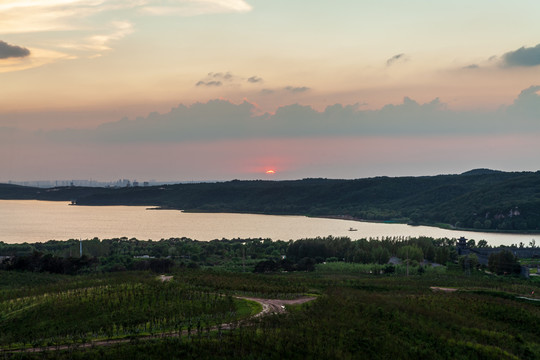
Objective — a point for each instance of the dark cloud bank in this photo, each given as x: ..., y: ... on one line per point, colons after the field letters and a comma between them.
x: 12, y: 51
x: 522, y: 57
x: 222, y: 120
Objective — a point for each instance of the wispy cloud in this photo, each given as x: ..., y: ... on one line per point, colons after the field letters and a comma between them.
x: 12, y: 51
x: 60, y: 15
x: 394, y: 59
x: 195, y: 7
x: 38, y: 58
x: 524, y: 56
x: 53, y: 15
x: 297, y: 89
x: 78, y: 25
x: 101, y: 42
x: 471, y: 67
x: 254, y: 79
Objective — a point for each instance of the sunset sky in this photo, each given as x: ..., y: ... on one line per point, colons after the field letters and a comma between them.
x: 230, y: 89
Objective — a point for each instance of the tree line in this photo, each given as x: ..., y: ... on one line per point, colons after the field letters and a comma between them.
x: 241, y: 255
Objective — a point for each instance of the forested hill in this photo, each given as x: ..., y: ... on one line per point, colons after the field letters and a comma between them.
x: 479, y: 199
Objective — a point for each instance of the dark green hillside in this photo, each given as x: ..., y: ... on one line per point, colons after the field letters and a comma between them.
x: 479, y: 199
x: 17, y: 192
x: 10, y: 191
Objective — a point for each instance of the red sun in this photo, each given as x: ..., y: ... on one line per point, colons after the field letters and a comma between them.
x: 270, y: 171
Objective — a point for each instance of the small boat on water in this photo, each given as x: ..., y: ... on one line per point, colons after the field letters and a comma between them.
x: 352, y: 229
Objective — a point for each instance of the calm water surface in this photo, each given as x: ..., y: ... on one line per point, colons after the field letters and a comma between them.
x: 38, y: 221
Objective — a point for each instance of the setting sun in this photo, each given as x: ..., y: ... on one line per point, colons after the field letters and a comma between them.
x: 270, y: 171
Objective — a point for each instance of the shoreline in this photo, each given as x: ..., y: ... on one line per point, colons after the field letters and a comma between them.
x: 449, y: 227
x: 352, y: 218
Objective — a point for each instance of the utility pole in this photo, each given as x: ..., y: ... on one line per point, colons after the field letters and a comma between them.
x: 243, y: 257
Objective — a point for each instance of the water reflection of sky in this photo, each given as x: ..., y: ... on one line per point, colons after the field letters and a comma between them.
x: 37, y: 221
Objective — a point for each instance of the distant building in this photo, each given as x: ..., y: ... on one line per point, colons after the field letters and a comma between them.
x: 461, y: 245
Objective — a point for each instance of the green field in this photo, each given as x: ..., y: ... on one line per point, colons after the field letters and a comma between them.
x: 358, y: 313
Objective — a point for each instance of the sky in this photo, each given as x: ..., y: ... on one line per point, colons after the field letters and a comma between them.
x: 189, y: 90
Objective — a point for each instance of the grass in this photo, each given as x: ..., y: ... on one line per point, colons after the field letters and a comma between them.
x: 246, y: 308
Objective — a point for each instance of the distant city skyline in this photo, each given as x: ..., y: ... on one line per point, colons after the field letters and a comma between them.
x: 91, y: 183
x: 196, y: 90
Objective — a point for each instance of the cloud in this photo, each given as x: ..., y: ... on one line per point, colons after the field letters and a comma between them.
x: 405, y: 134
x: 77, y: 25
x: 523, y: 56
x: 221, y: 120
x: 224, y: 78
x: 195, y: 7
x: 527, y: 105
x: 39, y: 57
x: 101, y: 42
x: 254, y: 79
x: 296, y: 89
x: 394, y: 59
x: 471, y: 67
x: 220, y: 75
x: 216, y: 79
x: 12, y: 51
x: 62, y: 15
x: 51, y: 15
x: 209, y: 83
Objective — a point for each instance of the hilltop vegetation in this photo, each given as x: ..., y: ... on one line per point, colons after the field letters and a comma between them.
x: 480, y: 199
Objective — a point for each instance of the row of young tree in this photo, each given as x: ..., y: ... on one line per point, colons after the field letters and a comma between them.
x: 140, y: 304
x: 355, y: 317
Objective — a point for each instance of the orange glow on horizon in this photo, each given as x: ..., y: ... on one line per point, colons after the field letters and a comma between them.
x: 270, y: 171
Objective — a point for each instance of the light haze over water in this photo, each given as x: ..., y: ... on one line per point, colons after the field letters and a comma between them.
x: 39, y: 221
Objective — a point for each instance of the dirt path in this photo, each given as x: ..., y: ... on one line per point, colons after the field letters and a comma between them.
x: 269, y: 306
x: 444, y: 289
x: 275, y: 306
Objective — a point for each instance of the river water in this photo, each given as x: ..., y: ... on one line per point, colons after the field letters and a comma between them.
x: 38, y: 221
